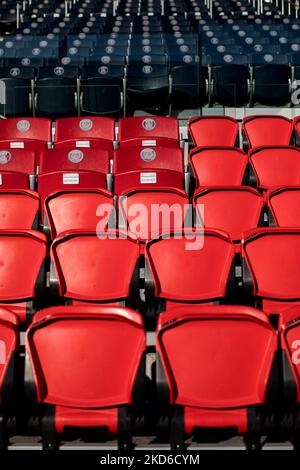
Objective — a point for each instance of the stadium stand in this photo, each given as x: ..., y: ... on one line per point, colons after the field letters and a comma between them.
x: 149, y: 223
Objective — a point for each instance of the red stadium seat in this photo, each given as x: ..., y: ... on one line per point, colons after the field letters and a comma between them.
x: 86, y: 363
x: 27, y: 133
x: 76, y: 209
x: 214, y: 131
x: 22, y: 269
x: 146, y: 214
x: 97, y: 268
x: 65, y: 159
x: 200, y: 262
x: 231, y: 209
x: 19, y: 209
x: 267, y: 130
x: 289, y: 339
x: 284, y: 206
x: 276, y: 166
x: 85, y: 132
x: 271, y: 268
x: 65, y: 170
x: 144, y: 158
x: 9, y: 345
x: 147, y: 179
x: 215, y: 367
x: 17, y: 168
x: 149, y: 131
x: 59, y: 181
x: 219, y: 166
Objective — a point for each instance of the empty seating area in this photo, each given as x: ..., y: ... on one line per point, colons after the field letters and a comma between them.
x: 149, y: 235
x: 112, y: 242
x: 99, y: 58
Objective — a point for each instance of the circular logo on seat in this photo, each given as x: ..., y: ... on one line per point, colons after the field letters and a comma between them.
x: 50, y: 36
x: 65, y: 60
x: 214, y: 40
x: 209, y: 34
x: 76, y: 42
x: 149, y: 124
x: 147, y: 49
x: 146, y: 42
x: 59, y: 71
x: 82, y: 35
x: 147, y: 59
x: 221, y: 48
x: 109, y: 50
x: 187, y: 59
x: 148, y: 155
x: 178, y: 34
x: 5, y: 157
x: 249, y: 40
x: 111, y: 42
x: 86, y: 124
x: 9, y: 44
x: 75, y: 156
x: 228, y: 58
x: 105, y: 59
x: 15, y: 71
x: 36, y: 51
x: 25, y: 61
x: 184, y: 48
x: 273, y: 33
x: 103, y: 70
x: 180, y: 41
x: 43, y: 43
x: 23, y: 125
x: 268, y: 58
x: 147, y: 69
x: 258, y: 47
x: 295, y: 47
x: 242, y: 33
x: 283, y: 40
x: 146, y: 35
x: 73, y: 50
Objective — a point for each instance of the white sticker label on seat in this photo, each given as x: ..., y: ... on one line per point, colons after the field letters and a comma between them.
x: 148, y: 178
x: 0, y: 180
x: 83, y: 144
x: 71, y: 178
x: 17, y: 145
x: 148, y: 143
